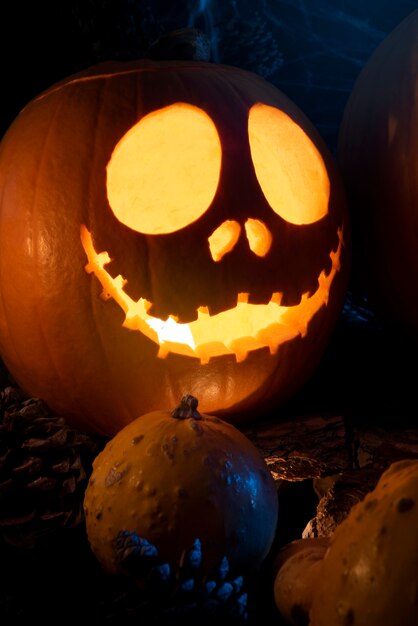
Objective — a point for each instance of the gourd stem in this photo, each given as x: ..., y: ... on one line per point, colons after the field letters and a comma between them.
x: 183, y: 44
x: 187, y: 408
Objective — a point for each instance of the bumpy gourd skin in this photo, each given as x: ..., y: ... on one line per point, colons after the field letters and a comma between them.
x: 369, y: 576
x: 297, y: 570
x: 172, y: 480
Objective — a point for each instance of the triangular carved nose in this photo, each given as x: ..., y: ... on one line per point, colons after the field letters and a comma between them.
x: 224, y: 238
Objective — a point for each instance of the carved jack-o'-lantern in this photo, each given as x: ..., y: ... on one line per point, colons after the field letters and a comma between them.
x: 166, y: 228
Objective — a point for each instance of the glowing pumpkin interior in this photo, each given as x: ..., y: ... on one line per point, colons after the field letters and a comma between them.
x: 163, y: 175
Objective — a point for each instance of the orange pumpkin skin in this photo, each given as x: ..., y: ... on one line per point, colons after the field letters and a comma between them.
x: 66, y: 343
x: 171, y: 480
x: 378, y: 156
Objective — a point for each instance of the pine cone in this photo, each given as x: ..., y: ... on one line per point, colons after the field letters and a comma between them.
x: 44, y: 468
x: 162, y: 594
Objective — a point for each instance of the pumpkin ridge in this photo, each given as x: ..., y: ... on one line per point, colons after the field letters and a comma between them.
x: 38, y: 305
x: 140, y: 70
x: 101, y: 342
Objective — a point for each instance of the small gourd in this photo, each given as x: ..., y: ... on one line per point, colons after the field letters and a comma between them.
x: 172, y: 476
x: 367, y: 574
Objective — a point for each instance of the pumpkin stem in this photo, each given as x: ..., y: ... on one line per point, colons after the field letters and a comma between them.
x: 187, y: 408
x: 183, y: 44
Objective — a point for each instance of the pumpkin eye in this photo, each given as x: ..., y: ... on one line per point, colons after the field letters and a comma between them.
x: 288, y: 166
x: 164, y: 172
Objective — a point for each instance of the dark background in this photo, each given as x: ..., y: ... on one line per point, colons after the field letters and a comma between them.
x: 311, y: 49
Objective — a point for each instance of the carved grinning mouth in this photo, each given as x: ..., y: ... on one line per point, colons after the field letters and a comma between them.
x: 235, y: 331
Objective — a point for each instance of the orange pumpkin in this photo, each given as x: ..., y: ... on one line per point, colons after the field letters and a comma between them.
x: 172, y: 477
x: 167, y: 227
x: 378, y: 155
